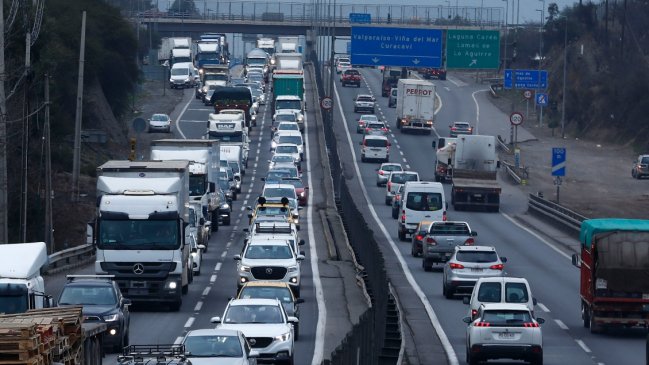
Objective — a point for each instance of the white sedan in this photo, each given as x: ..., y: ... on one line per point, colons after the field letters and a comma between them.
x: 196, y: 253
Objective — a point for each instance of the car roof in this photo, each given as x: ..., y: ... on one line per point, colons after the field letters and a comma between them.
x: 214, y: 332
x: 364, y: 95
x: 502, y: 279
x: 475, y: 248
x: 267, y: 242
x: 372, y: 136
x: 289, y: 133
x: 268, y: 186
x: 278, y: 284
x: 90, y: 282
x: 254, y: 301
x: 371, y: 116
x: 505, y: 306
x: 391, y: 164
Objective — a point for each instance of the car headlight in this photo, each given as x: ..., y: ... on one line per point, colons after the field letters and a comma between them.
x: 244, y: 268
x: 225, y: 206
x: 273, y: 144
x: 300, y: 117
x: 171, y: 80
x: 188, y: 79
x: 111, y: 317
x: 172, y: 285
x: 293, y: 269
x: 302, y: 194
x: 201, y: 71
x: 205, y: 89
x: 283, y: 337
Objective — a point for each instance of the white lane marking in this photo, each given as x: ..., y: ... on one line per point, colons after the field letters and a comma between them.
x: 318, y: 346
x: 537, y: 237
x: 198, y: 306
x: 447, y: 88
x: 206, y: 290
x: 561, y: 324
x: 229, y: 243
x: 477, y: 110
x: 245, y: 201
x: 243, y: 208
x: 218, y: 266
x: 213, y: 278
x: 201, y: 110
x: 247, y: 196
x: 543, y: 307
x: 446, y: 344
x: 179, y: 340
x: 404, y: 160
x: 583, y: 346
x: 401, y: 152
x: 407, y: 166
x: 189, y: 322
x: 180, y: 118
x: 224, y: 253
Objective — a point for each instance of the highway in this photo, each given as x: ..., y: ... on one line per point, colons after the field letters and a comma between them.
x: 554, y: 281
x: 210, y: 292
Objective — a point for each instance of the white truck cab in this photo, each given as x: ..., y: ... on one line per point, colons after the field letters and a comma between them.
x: 21, y: 284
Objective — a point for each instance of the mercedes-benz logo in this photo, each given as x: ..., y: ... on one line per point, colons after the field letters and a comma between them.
x: 138, y: 269
x: 269, y: 270
x: 252, y: 341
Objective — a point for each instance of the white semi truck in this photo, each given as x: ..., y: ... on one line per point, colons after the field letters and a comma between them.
x: 415, y: 105
x: 228, y: 129
x: 167, y: 45
x: 203, y: 156
x: 21, y: 284
x: 140, y: 229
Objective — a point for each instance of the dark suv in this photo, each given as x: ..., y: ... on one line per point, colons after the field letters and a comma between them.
x: 102, y: 301
x: 351, y: 77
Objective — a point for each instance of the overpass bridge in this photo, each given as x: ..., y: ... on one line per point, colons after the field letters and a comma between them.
x: 292, y: 18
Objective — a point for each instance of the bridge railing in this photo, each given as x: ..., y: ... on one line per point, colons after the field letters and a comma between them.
x: 327, y: 13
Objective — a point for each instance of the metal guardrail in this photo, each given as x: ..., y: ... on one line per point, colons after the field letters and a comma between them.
x: 510, y: 171
x: 69, y: 258
x: 556, y: 212
x: 503, y: 145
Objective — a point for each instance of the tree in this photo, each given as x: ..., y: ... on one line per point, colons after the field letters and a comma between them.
x: 183, y: 7
x: 553, y: 11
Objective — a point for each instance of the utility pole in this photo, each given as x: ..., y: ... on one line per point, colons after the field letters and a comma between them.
x: 49, y: 241
x: 77, y: 120
x: 25, y: 152
x: 565, y: 69
x: 506, y: 33
x: 541, y: 59
x: 4, y: 235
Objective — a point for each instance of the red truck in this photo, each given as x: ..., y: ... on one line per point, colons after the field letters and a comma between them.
x: 428, y: 73
x: 614, y: 264
x: 229, y: 97
x: 350, y: 77
x: 391, y: 76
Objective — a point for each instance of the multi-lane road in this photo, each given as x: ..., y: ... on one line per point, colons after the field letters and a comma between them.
x: 546, y: 265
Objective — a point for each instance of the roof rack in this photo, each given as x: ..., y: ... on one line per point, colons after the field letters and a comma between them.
x: 273, y: 227
x: 89, y: 277
x: 153, y: 355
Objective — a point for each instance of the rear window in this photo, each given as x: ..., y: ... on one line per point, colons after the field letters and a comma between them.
x: 376, y: 143
x: 506, y: 317
x: 391, y: 168
x: 489, y: 292
x: 352, y: 72
x: 645, y: 160
x: 290, y: 139
x: 402, y: 178
x: 450, y: 229
x: 423, y: 201
x: 364, y: 98
x: 476, y: 256
x: 375, y: 125
x: 516, y: 293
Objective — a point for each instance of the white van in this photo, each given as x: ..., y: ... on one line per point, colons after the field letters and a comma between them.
x: 182, y: 75
x: 501, y: 289
x: 392, y: 98
x: 374, y: 147
x: 420, y: 201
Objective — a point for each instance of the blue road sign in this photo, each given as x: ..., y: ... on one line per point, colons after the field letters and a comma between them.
x: 541, y: 99
x: 349, y: 47
x: 360, y: 18
x: 401, y: 47
x: 558, y: 161
x: 526, y: 79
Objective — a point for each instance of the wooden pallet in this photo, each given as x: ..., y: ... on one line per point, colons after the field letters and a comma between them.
x: 17, y: 354
x: 35, y: 360
x: 19, y: 343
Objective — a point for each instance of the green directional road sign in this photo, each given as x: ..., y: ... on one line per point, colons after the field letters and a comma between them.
x: 472, y: 49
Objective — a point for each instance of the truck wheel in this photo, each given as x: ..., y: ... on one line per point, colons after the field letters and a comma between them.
x: 395, y: 213
x: 175, y: 306
x: 402, y: 235
x: 585, y: 316
x: 398, y: 124
x: 594, y: 327
x: 426, y: 265
x: 448, y: 292
x: 388, y: 201
x: 185, y: 289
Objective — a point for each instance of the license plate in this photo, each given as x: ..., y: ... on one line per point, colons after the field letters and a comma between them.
x: 138, y: 284
x: 506, y: 335
x: 478, y: 195
x: 138, y: 292
x: 476, y: 270
x: 376, y: 149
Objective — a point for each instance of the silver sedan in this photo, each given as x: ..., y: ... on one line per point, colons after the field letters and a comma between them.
x: 383, y: 172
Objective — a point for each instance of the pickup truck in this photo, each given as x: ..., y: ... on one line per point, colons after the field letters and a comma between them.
x: 352, y: 77
x: 441, y: 239
x: 429, y: 73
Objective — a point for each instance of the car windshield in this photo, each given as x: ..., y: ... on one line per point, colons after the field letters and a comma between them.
x: 344, y: 64
x: 506, y: 317
x: 279, y: 192
x: 645, y: 160
x: 216, y: 77
x: 423, y: 201
x: 288, y: 104
x: 283, y: 158
x: 516, y: 293
x: 286, y: 149
x: 253, y: 314
x: 369, y: 118
x: 160, y: 117
x: 268, y: 252
x: 285, y: 118
x: 462, y: 125
x: 88, y: 295
x: 391, y: 168
x: 270, y: 292
x: 399, y: 178
x: 287, y: 126
x: 197, y: 185
x: 375, y: 125
x: 450, y: 229
x: 179, y: 72
x: 213, y: 346
x: 476, y: 256
x: 277, y: 175
x: 364, y: 98
x: 136, y: 234
x: 235, y: 166
x: 352, y: 73
x: 297, y: 140
x: 489, y: 293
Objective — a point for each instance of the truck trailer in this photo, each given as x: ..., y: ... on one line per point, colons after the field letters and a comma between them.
x: 415, y: 105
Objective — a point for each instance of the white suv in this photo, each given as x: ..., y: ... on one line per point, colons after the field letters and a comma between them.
x: 270, y: 260
x: 264, y: 322
x: 504, y: 331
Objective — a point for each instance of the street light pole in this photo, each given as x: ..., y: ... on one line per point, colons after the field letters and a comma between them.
x: 541, y: 59
x: 565, y: 67
x: 506, y: 33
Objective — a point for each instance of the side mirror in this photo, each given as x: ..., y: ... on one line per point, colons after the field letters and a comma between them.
x: 49, y: 302
x: 498, y: 164
x: 474, y: 233
x: 250, y: 215
x: 246, y: 229
x: 434, y: 145
x: 253, y: 354
x: 576, y: 260
x: 263, y: 178
x: 90, y: 233
x: 534, y: 301
x: 127, y: 301
x: 301, y: 243
x: 215, y: 319
x: 292, y: 319
x: 202, y: 247
x: 302, y: 253
x: 503, y: 259
x: 466, y: 300
x: 540, y: 320
x: 237, y: 257
x: 360, y: 143
x: 249, y: 208
x: 467, y: 320
x: 300, y: 257
x: 299, y: 301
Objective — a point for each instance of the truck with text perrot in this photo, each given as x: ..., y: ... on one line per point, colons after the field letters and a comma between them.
x: 203, y: 156
x: 415, y: 105
x: 614, y: 266
x: 21, y: 285
x: 233, y: 97
x: 474, y: 168
x: 140, y: 229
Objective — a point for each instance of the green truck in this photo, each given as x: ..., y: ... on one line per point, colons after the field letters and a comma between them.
x: 289, y: 83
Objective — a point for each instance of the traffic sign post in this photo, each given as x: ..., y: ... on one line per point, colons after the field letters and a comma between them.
x: 542, y: 101
x: 327, y: 103
x: 525, y: 79
x: 472, y: 49
x: 400, y: 47
x: 527, y: 94
x: 515, y: 119
x: 558, y: 166
x: 360, y: 18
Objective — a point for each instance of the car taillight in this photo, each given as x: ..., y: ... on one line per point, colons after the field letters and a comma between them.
x: 531, y: 325
x: 431, y: 241
x: 469, y: 242
x: 389, y: 185
x: 419, y: 237
x: 497, y: 267
x: 474, y: 312
x: 482, y: 324
x: 367, y: 130
x: 456, y: 266
x: 397, y: 197
x: 444, y: 216
x: 453, y: 128
x: 381, y: 172
x: 384, y: 129
x: 403, y: 216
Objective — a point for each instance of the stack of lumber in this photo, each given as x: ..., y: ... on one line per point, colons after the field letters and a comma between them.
x: 42, y: 336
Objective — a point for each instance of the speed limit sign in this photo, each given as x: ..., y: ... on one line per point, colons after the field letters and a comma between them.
x: 516, y: 118
x: 527, y: 94
x: 326, y: 103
